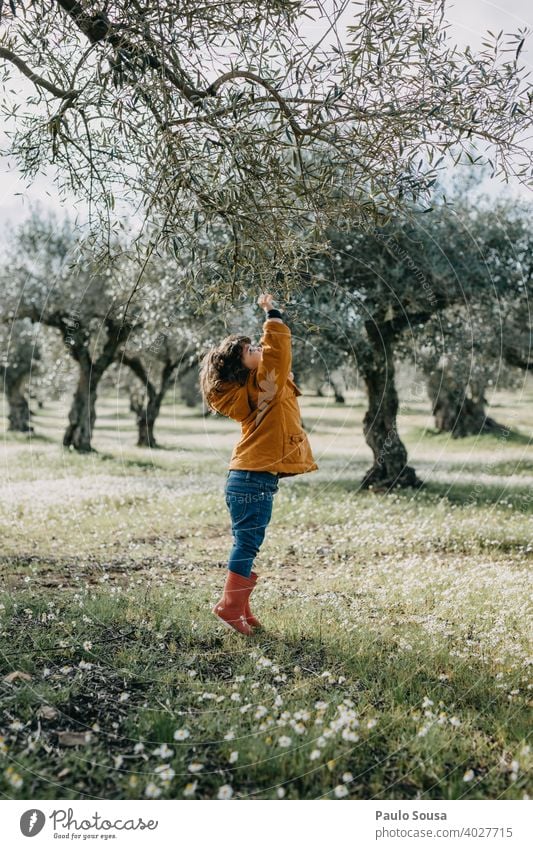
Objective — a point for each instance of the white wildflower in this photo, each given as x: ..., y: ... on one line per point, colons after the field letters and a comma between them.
x: 225, y: 792
x: 152, y: 791
x: 181, y: 734
x: 165, y: 772
x: 163, y: 751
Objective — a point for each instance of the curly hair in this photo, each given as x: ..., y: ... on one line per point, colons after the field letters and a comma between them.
x: 223, y: 363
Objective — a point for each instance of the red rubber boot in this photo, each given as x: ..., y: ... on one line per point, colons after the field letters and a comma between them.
x: 250, y: 618
x: 230, y: 608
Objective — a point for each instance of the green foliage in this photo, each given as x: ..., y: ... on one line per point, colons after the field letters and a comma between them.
x: 220, y: 115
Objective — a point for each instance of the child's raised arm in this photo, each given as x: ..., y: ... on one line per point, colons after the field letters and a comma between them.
x: 276, y: 355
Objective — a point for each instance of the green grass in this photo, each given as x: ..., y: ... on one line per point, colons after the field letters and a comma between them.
x: 395, y: 655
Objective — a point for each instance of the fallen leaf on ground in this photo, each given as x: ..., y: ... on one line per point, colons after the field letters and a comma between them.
x: 12, y: 676
x: 48, y: 712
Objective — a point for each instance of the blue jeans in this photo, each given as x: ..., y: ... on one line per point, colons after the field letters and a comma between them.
x: 249, y: 498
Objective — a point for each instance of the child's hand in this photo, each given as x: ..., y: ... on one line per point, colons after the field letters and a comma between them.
x: 265, y: 301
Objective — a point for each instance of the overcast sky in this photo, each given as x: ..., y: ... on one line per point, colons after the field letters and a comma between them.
x: 469, y: 19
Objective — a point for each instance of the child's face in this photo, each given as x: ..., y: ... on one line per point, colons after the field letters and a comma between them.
x: 251, y: 355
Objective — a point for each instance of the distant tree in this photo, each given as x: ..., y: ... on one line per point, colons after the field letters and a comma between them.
x: 165, y: 346
x: 321, y: 367
x: 460, y: 364
x: 19, y: 355
x: 373, y: 292
x: 467, y: 347
x: 156, y: 371
x: 189, y: 390
x: 50, y: 277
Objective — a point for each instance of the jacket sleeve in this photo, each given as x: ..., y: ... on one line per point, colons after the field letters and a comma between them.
x: 233, y: 403
x: 276, y: 355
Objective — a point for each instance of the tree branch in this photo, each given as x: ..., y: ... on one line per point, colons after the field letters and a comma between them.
x: 98, y: 28
x: 35, y: 78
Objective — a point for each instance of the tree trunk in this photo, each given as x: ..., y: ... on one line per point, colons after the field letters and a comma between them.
x: 339, y: 397
x: 390, y: 467
x: 19, y: 409
x: 82, y: 414
x: 457, y: 413
x: 146, y: 437
x: 147, y: 404
x: 146, y: 418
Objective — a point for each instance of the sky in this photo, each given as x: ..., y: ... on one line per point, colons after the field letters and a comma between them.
x: 469, y: 20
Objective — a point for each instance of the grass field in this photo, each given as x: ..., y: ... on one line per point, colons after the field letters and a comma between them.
x: 395, y: 658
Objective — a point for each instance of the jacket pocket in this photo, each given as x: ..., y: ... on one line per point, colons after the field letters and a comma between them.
x: 293, y: 447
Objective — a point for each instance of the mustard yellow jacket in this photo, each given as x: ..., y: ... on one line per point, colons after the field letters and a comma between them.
x: 272, y: 436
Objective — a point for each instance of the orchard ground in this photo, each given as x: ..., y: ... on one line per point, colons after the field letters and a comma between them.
x: 395, y: 658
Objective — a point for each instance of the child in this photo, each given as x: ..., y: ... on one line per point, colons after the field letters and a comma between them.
x: 253, y: 384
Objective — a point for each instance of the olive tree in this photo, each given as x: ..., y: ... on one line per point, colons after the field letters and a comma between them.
x: 19, y: 356
x: 459, y: 357
x: 374, y: 293
x: 51, y: 277
x: 479, y: 341
x: 175, y: 327
x: 228, y: 113
x: 155, y: 370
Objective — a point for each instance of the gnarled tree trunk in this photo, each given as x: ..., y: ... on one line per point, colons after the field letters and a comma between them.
x: 19, y: 409
x: 146, y: 409
x: 390, y: 466
x: 146, y: 433
x: 339, y: 397
x: 147, y: 404
x: 455, y: 411
x: 82, y: 414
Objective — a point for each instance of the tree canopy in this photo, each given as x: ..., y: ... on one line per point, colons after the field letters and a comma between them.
x: 196, y: 114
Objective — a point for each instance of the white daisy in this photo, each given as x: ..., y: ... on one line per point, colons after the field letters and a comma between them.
x: 163, y: 751
x: 225, y: 792
x: 181, y: 734
x: 165, y: 772
x: 351, y: 736
x: 152, y: 791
